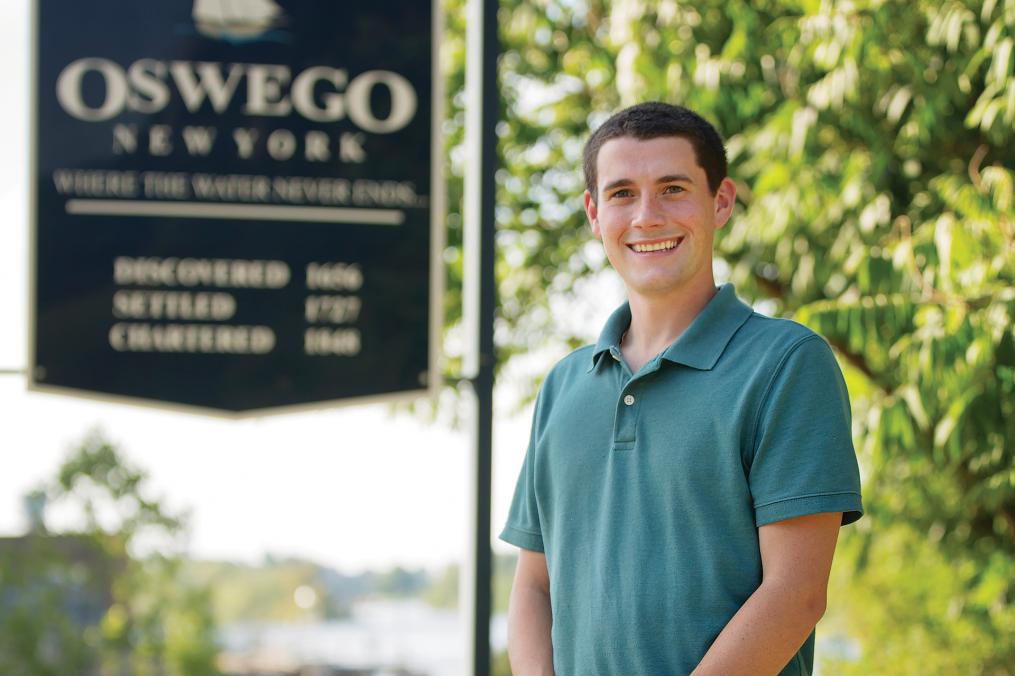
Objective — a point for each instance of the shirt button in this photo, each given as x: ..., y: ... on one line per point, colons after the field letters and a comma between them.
x: 629, y: 399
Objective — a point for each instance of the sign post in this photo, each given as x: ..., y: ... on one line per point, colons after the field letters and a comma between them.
x: 235, y: 204
x: 480, y: 303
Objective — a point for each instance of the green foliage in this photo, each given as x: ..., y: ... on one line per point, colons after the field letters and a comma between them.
x: 88, y: 601
x: 948, y: 609
x: 500, y: 666
x: 503, y: 577
x: 246, y: 593
x: 269, y: 591
x: 872, y: 145
x: 38, y: 595
x: 399, y: 582
x: 443, y: 591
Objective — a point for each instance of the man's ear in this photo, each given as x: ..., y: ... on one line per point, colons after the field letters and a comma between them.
x: 592, y: 212
x: 725, y: 200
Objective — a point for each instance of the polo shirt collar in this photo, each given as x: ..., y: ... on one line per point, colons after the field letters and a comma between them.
x: 701, y: 344
x: 609, y: 339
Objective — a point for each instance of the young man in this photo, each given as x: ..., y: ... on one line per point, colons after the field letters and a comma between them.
x: 679, y: 503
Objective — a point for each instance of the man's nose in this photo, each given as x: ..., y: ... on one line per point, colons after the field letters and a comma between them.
x: 648, y: 213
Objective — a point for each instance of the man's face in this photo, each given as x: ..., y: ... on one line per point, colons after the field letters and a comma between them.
x: 656, y: 215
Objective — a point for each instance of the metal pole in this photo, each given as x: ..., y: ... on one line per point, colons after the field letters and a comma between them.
x: 480, y: 300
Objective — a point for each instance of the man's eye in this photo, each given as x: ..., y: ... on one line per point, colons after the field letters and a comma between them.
x: 673, y: 189
x: 623, y: 192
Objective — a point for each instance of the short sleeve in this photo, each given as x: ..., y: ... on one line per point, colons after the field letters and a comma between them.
x: 523, y: 527
x: 803, y: 461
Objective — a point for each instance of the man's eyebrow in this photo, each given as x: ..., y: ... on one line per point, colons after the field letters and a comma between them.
x: 617, y: 184
x: 675, y: 178
x: 668, y: 178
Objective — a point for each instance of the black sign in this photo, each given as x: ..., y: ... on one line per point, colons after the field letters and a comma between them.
x: 233, y: 200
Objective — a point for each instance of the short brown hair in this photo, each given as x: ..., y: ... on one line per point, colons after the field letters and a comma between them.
x: 655, y: 119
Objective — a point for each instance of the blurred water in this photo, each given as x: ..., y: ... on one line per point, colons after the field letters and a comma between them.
x: 381, y: 635
x: 385, y: 635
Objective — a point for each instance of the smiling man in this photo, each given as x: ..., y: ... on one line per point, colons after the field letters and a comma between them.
x: 686, y: 477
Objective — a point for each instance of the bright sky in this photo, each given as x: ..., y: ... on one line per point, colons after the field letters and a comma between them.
x: 352, y: 487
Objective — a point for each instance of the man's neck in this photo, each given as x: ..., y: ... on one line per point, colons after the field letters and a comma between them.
x: 657, y: 321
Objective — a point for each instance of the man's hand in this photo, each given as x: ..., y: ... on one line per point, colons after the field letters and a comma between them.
x: 796, y: 557
x: 529, y: 617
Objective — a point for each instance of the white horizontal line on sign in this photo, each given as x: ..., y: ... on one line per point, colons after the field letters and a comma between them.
x: 259, y: 212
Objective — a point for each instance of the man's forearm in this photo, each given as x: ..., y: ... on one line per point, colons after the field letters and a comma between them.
x: 765, y: 633
x: 529, y: 622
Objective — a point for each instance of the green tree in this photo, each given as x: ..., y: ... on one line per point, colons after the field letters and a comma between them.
x: 105, y: 597
x: 443, y: 590
x: 278, y: 590
x: 872, y: 144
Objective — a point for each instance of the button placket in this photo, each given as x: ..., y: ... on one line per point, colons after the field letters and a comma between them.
x: 627, y: 423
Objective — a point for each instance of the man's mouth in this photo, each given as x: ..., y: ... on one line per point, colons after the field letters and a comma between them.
x: 664, y: 245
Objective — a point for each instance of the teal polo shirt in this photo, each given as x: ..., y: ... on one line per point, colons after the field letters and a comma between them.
x: 645, y: 491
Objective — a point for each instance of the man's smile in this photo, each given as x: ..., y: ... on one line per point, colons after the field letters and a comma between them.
x: 651, y: 247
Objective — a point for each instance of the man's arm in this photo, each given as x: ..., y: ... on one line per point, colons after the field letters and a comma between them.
x: 796, y: 557
x: 529, y: 617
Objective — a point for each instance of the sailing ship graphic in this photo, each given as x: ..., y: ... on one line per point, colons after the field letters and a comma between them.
x: 236, y: 20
